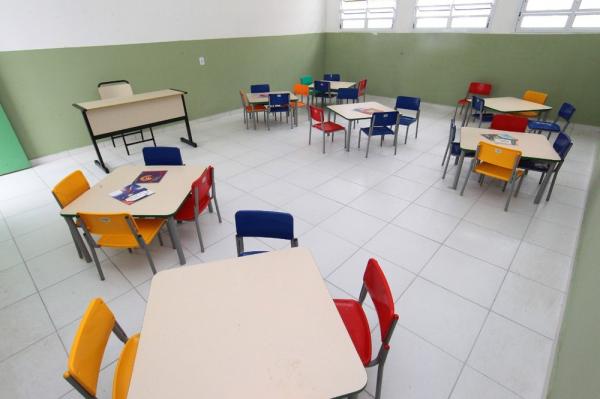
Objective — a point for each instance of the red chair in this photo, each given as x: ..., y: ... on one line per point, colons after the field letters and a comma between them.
x: 475, y: 88
x: 201, y: 194
x: 362, y: 89
x: 509, y: 123
x: 317, y: 114
x: 355, y: 319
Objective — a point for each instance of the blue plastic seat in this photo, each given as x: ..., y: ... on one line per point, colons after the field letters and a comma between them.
x: 264, y: 224
x: 565, y: 112
x: 322, y: 90
x: 453, y: 149
x: 279, y: 103
x: 162, y: 156
x: 477, y: 111
x: 382, y: 124
x: 260, y: 88
x: 410, y: 104
x: 333, y: 77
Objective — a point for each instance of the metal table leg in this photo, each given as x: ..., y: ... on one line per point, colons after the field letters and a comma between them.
x: 547, y: 177
x: 461, y: 158
x: 175, y: 235
x: 348, y: 135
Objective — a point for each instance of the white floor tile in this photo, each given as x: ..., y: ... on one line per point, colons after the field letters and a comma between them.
x: 552, y: 236
x: 250, y: 180
x: 340, y: 190
x: 4, y: 231
x: 443, y: 201
x: 561, y: 214
x: 279, y: 192
x: 542, y: 265
x: 508, y: 223
x: 15, y: 284
x: 419, y: 174
x: 473, y: 384
x: 44, y: 239
x: 427, y: 222
x: 10, y: 255
x: 329, y: 250
x: 366, y: 177
x: 380, y: 205
x: 353, y: 225
x: 313, y: 208
x: 404, y: 189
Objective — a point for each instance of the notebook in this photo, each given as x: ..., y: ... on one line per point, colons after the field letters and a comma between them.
x: 150, y: 176
x: 131, y: 193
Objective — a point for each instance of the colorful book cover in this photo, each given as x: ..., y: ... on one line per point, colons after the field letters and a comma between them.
x: 504, y: 139
x: 131, y: 193
x: 150, y: 176
x: 368, y: 111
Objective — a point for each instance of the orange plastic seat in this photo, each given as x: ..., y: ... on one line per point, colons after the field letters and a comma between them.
x: 251, y: 110
x: 536, y: 97
x: 302, y: 91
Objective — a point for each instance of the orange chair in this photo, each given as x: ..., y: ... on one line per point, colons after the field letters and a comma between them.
x: 87, y: 350
x: 251, y: 110
x: 302, y: 91
x: 536, y: 97
x: 355, y: 319
x: 120, y: 230
x: 509, y: 123
x: 497, y: 162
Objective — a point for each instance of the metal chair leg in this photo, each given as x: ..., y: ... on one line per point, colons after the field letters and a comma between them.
x: 148, y: 255
x: 323, y: 142
x: 471, y: 167
x: 406, y: 134
x: 512, y: 187
x: 446, y: 167
x: 160, y: 240
x: 197, y: 223
x: 368, y: 144
x: 94, y: 255
x: 551, y: 185
x: 217, y: 208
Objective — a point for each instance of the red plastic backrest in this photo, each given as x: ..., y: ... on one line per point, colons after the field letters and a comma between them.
x: 381, y: 295
x: 509, y: 123
x: 317, y: 113
x: 478, y: 88
x: 362, y: 85
x: 203, y: 184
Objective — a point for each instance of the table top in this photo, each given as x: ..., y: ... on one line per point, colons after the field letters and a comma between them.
x: 263, y: 98
x: 261, y: 326
x: 336, y: 85
x: 513, y: 104
x: 350, y: 111
x: 111, y: 102
x: 532, y: 146
x: 168, y: 195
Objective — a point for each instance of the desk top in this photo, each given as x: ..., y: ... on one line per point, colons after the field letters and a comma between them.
x: 349, y: 111
x: 513, y: 104
x: 263, y: 98
x: 110, y: 102
x: 168, y: 195
x: 533, y: 146
x: 261, y: 326
x: 336, y: 85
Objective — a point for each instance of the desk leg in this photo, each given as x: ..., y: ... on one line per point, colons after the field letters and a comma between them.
x: 99, y: 161
x: 188, y: 140
x: 78, y: 240
x: 348, y: 135
x: 461, y: 159
x: 547, y: 177
x: 175, y: 235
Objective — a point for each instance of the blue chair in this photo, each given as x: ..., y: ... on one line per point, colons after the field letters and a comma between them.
x: 350, y: 94
x: 411, y: 104
x: 477, y: 111
x: 562, y: 145
x: 333, y: 77
x: 278, y: 104
x: 322, y: 90
x: 380, y: 126
x: 565, y: 112
x: 260, y: 88
x: 263, y: 224
x: 453, y: 149
x: 162, y: 156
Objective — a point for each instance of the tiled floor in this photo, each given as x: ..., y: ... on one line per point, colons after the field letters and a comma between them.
x: 479, y: 291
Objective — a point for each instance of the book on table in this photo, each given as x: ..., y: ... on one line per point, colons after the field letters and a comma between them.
x: 502, y: 138
x: 150, y: 176
x: 131, y: 193
x: 368, y: 111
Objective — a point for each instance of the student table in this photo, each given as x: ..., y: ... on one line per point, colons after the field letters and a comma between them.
x: 114, y: 116
x: 336, y: 85
x: 510, y: 104
x: 168, y: 196
x: 263, y: 99
x: 532, y: 146
x: 351, y: 112
x: 261, y: 326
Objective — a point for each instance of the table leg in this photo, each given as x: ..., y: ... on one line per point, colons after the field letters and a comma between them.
x: 189, y: 140
x: 77, y: 237
x: 461, y: 159
x: 348, y: 135
x: 465, y: 115
x: 547, y: 177
x: 175, y: 235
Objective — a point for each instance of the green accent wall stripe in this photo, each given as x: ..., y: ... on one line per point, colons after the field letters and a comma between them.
x: 12, y: 157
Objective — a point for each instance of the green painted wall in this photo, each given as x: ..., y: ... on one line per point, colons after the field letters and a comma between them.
x: 38, y: 87
x: 576, y: 369
x: 438, y: 66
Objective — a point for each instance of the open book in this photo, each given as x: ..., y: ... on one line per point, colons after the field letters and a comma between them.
x: 131, y: 193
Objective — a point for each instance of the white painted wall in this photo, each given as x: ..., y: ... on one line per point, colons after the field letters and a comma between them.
x: 36, y: 24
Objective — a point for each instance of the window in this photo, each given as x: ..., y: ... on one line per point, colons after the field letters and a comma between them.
x: 453, y: 14
x: 367, y: 14
x: 560, y: 15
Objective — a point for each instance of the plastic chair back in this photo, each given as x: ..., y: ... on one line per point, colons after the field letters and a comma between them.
x: 108, y: 223
x: 322, y: 86
x: 306, y: 80
x: 497, y: 155
x: 481, y: 89
x: 535, y: 96
x: 279, y: 100
x: 333, y: 77
x: 124, y: 369
x: 115, y: 88
x: 509, y: 123
x: 267, y: 224
x: 409, y: 103
x: 260, y: 88
x: 379, y: 290
x: 362, y: 86
x: 71, y: 187
x: 162, y: 156
x: 317, y: 114
x: 478, y: 104
x: 347, y: 94
x: 562, y: 145
x: 244, y: 99
x: 201, y: 188
x: 385, y: 118
x: 301, y: 89
x: 566, y: 111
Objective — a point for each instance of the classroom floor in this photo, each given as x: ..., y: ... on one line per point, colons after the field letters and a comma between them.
x: 480, y: 292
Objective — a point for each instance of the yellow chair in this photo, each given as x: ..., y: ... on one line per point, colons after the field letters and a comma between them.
x: 120, y: 230
x: 87, y: 351
x: 497, y: 162
x: 65, y: 192
x: 536, y: 97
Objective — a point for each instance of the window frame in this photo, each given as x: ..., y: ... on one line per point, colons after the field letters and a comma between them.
x: 449, y: 27
x: 366, y: 19
x: 571, y: 14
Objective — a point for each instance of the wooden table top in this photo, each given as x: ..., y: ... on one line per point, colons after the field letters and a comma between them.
x: 352, y: 111
x: 111, y: 102
x: 513, y: 104
x: 336, y: 85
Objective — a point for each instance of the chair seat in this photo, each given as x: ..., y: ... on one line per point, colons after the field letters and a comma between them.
x: 279, y: 108
x: 328, y: 127
x: 256, y: 108
x: 378, y: 131
x: 327, y: 95
x: 542, y: 125
x: 186, y: 211
x: 298, y: 104
x: 534, y: 165
x: 497, y: 172
x: 527, y: 114
x: 356, y: 323
x: 463, y: 101
x: 407, y: 120
x: 486, y: 117
x: 124, y: 369
x: 148, y: 229
x: 248, y: 253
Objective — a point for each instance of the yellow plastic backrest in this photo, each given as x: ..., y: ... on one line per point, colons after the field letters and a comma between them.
x: 71, y: 187
x: 535, y: 96
x: 301, y: 90
x: 496, y: 155
x: 124, y: 369
x: 107, y: 223
x: 89, y: 344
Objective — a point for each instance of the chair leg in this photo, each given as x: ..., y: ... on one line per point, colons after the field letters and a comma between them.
x: 446, y: 153
x: 309, y: 132
x: 94, y: 256
x: 520, y: 183
x: 417, y: 128
x: 368, y: 144
x: 541, y: 178
x: 468, y: 175
x: 160, y: 240
x: 217, y: 208
x: 395, y: 143
x: 323, y: 142
x: 379, y: 380
x: 551, y: 185
x: 510, y: 193
x: 406, y: 134
x: 197, y: 223
x: 359, y: 136
x: 504, y: 187
x: 210, y: 207
x: 148, y: 255
x: 446, y: 167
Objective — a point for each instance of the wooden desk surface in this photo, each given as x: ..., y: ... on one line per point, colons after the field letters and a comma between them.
x: 168, y: 195
x: 263, y: 98
x: 349, y: 111
x: 261, y: 326
x: 336, y: 85
x: 533, y: 146
x: 513, y: 104
x: 110, y: 102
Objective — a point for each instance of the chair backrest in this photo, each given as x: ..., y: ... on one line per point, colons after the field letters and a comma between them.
x: 362, y: 86
x: 109, y: 223
x: 70, y: 187
x: 478, y: 88
x: 114, y: 88
x: 334, y: 77
x: 566, y: 111
x: 162, y: 156
x: 509, y: 123
x: 410, y: 103
x: 301, y: 89
x: 562, y: 145
x: 201, y: 187
x: 391, y: 118
x: 266, y: 224
x: 477, y: 103
x: 347, y: 94
x: 260, y: 88
x: 306, y: 80
x: 535, y: 96
x: 452, y: 135
x: 244, y: 98
x: 316, y: 113
x: 322, y: 86
x: 124, y: 368
x: 88, y: 346
x: 496, y: 155
x: 379, y: 290
x: 279, y: 100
